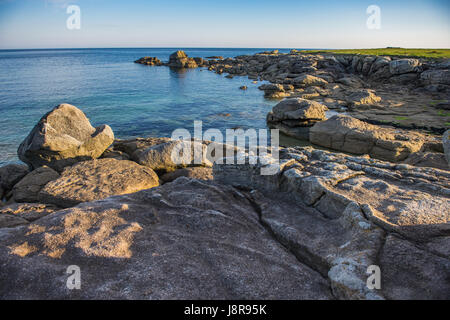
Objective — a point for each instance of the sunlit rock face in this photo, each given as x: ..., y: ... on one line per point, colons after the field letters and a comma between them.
x: 184, y: 240
x: 63, y: 137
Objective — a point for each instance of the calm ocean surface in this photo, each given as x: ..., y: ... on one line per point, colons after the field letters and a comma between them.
x: 135, y: 100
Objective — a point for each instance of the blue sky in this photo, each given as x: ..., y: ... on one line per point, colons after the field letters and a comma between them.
x: 225, y: 23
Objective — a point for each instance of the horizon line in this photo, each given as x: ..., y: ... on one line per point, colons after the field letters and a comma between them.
x: 203, y: 47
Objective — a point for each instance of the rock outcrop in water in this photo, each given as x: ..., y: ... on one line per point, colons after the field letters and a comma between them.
x: 63, y: 137
x: 150, y: 61
x: 402, y: 92
x: 295, y: 116
x: 177, y: 60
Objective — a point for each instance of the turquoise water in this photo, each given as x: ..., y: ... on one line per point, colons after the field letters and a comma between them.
x: 135, y: 100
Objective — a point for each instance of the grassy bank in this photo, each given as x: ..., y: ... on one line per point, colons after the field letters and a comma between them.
x: 401, y: 52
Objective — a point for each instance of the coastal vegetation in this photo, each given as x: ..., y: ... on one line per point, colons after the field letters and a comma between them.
x: 398, y: 52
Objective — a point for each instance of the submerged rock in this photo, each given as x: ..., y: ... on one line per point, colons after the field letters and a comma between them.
x: 63, y: 137
x: 95, y: 180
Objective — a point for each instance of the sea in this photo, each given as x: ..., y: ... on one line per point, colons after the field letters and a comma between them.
x: 135, y: 100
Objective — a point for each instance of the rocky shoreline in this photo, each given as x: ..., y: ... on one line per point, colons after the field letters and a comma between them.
x: 409, y: 93
x: 141, y: 226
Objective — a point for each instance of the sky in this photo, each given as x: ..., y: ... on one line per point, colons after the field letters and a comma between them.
x: 315, y: 24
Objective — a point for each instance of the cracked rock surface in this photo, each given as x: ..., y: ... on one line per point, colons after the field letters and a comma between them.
x: 187, y: 239
x: 340, y: 214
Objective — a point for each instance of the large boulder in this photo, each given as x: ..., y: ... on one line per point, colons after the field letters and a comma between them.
x: 345, y: 133
x: 430, y: 77
x: 402, y: 66
x: 27, y: 189
x: 183, y: 240
x: 97, y: 179
x: 380, y: 62
x: 63, y: 137
x: 294, y: 116
x: 179, y: 59
x: 298, y: 109
x: 171, y: 155
x: 179, y: 54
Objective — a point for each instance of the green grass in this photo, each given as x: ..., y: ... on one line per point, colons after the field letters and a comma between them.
x: 400, y: 52
x: 447, y: 124
x: 442, y: 113
x: 435, y: 102
x: 400, y: 118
